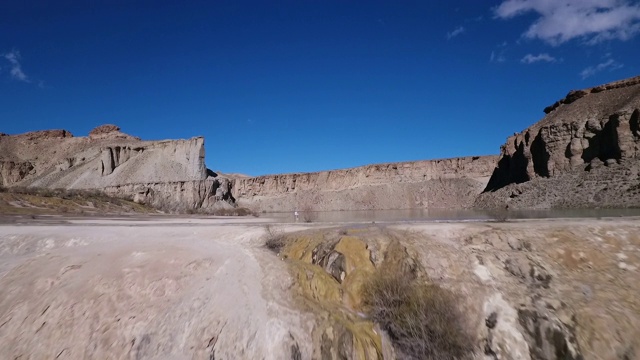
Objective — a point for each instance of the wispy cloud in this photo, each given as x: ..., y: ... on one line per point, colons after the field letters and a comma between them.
x: 497, y: 56
x: 530, y: 58
x: 457, y: 31
x: 559, y: 21
x: 13, y: 57
x: 609, y: 64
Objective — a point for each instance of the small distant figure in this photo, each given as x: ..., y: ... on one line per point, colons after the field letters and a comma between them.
x: 295, y: 213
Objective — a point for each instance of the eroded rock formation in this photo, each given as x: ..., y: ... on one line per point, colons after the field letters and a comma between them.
x: 584, y: 153
x: 584, y: 132
x: 171, y: 173
x: 445, y: 183
x: 12, y: 171
x: 110, y: 132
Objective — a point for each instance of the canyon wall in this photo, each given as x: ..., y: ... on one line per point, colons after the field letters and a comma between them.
x: 585, y: 152
x: 169, y: 173
x: 445, y: 183
x: 178, y: 196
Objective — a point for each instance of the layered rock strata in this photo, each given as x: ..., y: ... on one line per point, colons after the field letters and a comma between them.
x: 445, y: 183
x: 170, y: 173
x: 584, y: 153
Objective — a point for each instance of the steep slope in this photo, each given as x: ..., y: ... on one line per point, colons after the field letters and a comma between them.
x: 445, y: 183
x: 169, y: 173
x: 584, y: 153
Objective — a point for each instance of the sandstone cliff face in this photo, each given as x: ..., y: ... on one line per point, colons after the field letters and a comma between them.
x: 446, y: 183
x: 585, y: 130
x: 170, y: 173
x: 212, y: 193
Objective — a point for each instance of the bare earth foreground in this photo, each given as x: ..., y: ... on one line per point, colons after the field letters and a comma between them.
x: 190, y: 288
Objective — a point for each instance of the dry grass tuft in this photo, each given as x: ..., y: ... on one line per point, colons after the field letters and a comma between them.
x: 274, y: 238
x: 423, y: 320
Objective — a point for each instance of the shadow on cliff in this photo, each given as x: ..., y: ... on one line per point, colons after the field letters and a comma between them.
x: 510, y: 169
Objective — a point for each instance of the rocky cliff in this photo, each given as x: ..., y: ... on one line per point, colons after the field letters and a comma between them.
x: 585, y: 152
x: 445, y: 183
x: 169, y: 173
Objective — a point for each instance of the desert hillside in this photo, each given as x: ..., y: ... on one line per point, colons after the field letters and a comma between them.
x: 169, y: 174
x: 584, y: 153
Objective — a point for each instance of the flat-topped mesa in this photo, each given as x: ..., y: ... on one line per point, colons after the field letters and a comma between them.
x: 444, y: 183
x: 581, y: 133
x: 112, y: 161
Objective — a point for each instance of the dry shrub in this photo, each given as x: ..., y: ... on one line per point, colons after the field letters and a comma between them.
x: 423, y: 320
x: 81, y: 195
x: 274, y: 238
x: 308, y: 214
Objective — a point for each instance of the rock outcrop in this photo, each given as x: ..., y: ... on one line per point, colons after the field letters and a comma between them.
x: 588, y: 137
x: 170, y: 173
x: 445, y: 183
x: 584, y: 153
x: 12, y: 171
x: 109, y: 131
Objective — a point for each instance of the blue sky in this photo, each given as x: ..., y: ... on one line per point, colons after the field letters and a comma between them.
x: 294, y: 86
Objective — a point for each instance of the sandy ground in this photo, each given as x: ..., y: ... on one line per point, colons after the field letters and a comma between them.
x: 197, y: 288
x: 140, y: 289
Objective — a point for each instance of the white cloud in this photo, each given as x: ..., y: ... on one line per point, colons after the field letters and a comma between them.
x: 562, y: 20
x: 13, y: 57
x: 457, y: 31
x: 530, y: 58
x: 609, y: 64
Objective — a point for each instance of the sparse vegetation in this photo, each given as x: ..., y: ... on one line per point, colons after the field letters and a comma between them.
x: 239, y: 211
x: 73, y: 194
x: 27, y: 200
x: 423, y: 320
x: 274, y: 238
x: 308, y: 214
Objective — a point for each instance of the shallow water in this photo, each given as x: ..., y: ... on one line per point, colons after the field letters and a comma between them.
x: 450, y: 215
